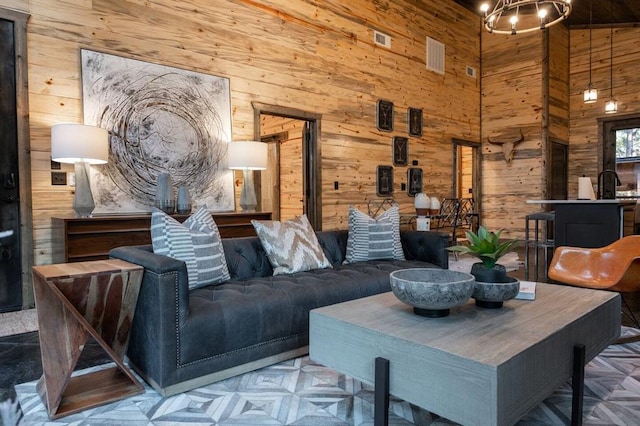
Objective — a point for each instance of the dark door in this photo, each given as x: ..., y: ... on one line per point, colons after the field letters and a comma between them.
x: 10, y: 279
x: 558, y: 180
x: 308, y: 177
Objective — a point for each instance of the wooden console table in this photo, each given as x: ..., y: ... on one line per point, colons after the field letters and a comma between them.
x: 73, y: 301
x: 78, y: 239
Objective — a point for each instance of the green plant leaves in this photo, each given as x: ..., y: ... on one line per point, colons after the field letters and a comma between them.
x: 486, y: 246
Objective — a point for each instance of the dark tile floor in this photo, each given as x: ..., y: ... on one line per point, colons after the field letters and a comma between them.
x: 20, y: 360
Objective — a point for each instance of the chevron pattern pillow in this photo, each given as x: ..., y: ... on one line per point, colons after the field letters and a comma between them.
x: 291, y: 246
x: 196, y: 241
x: 371, y: 239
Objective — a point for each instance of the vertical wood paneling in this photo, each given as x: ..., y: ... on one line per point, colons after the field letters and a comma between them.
x: 313, y: 56
x: 512, y: 101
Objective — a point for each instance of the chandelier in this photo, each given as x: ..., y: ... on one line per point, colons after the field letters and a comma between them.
x: 524, y: 16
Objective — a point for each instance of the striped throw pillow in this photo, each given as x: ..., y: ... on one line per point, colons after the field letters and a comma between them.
x: 196, y: 241
x: 371, y: 239
x: 291, y: 246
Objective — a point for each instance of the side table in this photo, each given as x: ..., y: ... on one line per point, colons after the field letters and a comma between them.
x: 73, y: 301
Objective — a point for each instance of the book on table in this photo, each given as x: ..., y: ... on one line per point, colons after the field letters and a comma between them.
x: 527, y: 290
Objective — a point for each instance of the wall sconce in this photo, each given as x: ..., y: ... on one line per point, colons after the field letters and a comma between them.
x: 80, y: 145
x: 247, y: 156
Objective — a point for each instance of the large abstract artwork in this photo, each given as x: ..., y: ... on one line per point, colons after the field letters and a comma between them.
x: 160, y: 120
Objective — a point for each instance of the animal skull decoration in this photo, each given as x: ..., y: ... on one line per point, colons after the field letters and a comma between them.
x: 508, y: 147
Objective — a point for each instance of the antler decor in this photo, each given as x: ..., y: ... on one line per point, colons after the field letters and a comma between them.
x: 508, y: 147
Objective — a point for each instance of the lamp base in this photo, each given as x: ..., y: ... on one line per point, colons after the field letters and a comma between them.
x: 248, y: 201
x: 83, y: 203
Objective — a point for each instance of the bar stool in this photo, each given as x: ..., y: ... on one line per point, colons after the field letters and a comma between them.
x: 546, y: 220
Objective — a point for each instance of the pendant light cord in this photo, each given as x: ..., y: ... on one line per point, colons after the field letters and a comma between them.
x: 590, y: 29
x: 611, y: 53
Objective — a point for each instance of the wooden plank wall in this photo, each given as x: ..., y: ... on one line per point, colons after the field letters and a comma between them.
x: 303, y: 54
x: 525, y: 88
x: 511, y: 102
x: 585, y: 149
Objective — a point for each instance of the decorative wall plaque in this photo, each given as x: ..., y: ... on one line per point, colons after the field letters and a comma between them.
x: 414, y: 122
x: 384, y: 115
x: 400, y: 151
x: 384, y: 181
x: 414, y: 181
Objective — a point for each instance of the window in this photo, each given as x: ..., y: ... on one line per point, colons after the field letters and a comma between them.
x: 628, y: 143
x: 628, y: 161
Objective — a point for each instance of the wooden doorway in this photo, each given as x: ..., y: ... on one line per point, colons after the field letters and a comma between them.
x: 466, y: 171
x: 559, y: 176
x: 292, y: 183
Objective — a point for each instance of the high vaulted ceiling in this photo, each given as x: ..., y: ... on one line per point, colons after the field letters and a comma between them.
x: 624, y: 11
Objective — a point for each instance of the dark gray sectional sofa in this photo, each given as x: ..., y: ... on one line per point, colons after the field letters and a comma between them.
x: 183, y: 339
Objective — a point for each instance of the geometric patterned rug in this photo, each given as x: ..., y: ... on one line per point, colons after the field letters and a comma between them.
x: 301, y: 392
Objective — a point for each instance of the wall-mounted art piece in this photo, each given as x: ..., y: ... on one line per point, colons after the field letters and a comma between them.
x: 414, y: 122
x: 384, y: 181
x: 414, y: 181
x: 160, y: 120
x: 400, y: 151
x: 384, y: 115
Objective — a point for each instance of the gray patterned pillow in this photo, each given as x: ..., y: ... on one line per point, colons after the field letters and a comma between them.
x: 371, y: 239
x: 291, y: 246
x: 196, y: 241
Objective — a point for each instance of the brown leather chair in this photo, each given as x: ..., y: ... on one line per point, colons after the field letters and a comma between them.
x: 615, y: 267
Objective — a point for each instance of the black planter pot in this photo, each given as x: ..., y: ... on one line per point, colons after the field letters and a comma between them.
x: 496, y: 275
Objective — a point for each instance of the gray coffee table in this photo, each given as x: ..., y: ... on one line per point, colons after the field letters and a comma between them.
x: 476, y: 366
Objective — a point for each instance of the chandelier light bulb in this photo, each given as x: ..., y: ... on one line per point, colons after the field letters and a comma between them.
x: 542, y: 13
x: 484, y: 8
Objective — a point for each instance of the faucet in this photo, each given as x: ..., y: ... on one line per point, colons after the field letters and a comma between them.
x: 601, y: 179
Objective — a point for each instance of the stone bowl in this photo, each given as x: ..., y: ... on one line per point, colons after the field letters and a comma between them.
x: 432, y: 292
x: 492, y: 295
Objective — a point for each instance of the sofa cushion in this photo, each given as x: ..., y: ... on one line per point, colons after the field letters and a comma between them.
x: 291, y: 246
x: 196, y: 241
x: 371, y: 239
x: 263, y: 310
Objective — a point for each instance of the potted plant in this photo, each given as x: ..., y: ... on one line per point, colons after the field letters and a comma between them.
x: 493, y: 286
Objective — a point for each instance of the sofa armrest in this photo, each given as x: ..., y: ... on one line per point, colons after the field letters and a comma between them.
x: 426, y: 246
x: 164, y: 277
x: 162, y: 307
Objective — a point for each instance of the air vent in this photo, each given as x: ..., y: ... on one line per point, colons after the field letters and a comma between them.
x: 471, y: 72
x: 435, y: 56
x: 382, y: 39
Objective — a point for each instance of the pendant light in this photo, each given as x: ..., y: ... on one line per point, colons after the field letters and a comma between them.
x: 590, y: 94
x: 611, y: 106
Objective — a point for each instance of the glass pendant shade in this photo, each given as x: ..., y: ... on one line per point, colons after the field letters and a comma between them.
x: 590, y: 94
x: 611, y: 106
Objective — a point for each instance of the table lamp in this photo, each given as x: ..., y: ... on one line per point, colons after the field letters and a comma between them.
x: 80, y: 145
x: 247, y: 156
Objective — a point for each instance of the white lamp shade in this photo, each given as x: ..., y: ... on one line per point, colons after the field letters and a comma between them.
x: 247, y: 155
x: 71, y: 143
